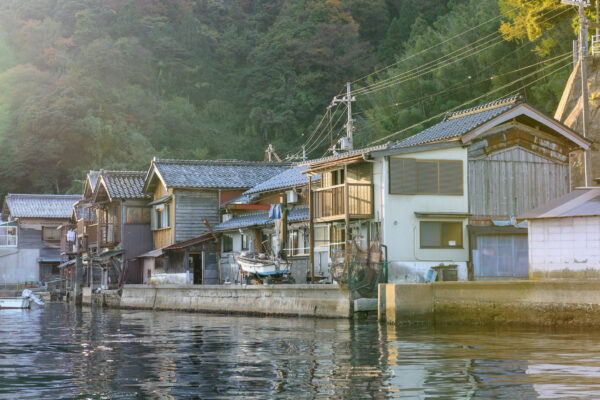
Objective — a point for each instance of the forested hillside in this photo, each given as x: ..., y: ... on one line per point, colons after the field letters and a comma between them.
x: 110, y: 83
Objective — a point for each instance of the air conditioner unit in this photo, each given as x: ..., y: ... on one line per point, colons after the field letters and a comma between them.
x: 292, y: 197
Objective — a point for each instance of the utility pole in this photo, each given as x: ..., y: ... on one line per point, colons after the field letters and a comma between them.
x: 348, y: 99
x: 582, y: 54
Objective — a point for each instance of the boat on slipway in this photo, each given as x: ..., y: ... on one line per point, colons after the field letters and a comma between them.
x: 261, y: 265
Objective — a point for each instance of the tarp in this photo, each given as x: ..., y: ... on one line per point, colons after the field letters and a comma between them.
x: 67, y: 263
x: 107, y: 254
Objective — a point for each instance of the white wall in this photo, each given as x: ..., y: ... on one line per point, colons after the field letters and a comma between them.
x: 407, y: 261
x: 19, y: 265
x: 564, y: 248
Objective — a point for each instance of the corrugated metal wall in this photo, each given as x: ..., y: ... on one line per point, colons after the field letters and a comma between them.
x: 137, y: 239
x: 190, y: 209
x: 514, y: 181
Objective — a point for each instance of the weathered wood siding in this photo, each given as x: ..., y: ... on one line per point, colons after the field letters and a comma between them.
x: 191, y: 207
x: 137, y: 239
x: 514, y: 181
x: 164, y: 237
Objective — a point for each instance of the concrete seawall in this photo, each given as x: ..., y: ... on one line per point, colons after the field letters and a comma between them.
x: 292, y: 300
x: 546, y: 303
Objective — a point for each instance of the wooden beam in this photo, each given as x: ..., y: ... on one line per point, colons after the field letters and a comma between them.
x: 346, y: 215
x: 311, y: 231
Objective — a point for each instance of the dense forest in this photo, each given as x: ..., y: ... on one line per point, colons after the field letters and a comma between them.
x: 87, y: 84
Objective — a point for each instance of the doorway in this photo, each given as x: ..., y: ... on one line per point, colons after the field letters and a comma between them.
x: 195, y: 263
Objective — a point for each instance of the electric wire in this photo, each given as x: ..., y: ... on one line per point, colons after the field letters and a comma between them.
x: 442, y: 61
x: 478, y: 98
x: 438, y: 44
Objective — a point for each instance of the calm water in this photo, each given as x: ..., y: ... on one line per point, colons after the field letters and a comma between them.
x: 62, y: 352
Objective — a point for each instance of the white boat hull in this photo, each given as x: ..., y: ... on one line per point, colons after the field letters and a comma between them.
x: 263, y: 269
x: 14, y: 302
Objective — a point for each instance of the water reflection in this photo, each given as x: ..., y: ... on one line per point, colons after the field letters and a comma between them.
x: 65, y: 352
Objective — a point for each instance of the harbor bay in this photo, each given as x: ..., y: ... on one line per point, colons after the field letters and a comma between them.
x: 64, y: 352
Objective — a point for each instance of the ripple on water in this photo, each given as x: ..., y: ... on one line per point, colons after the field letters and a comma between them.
x: 65, y: 352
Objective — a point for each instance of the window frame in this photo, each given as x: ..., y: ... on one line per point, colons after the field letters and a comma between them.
x: 230, y: 237
x: 459, y: 246
x: 14, y: 235
x: 156, y: 222
x: 439, y: 163
x: 54, y: 231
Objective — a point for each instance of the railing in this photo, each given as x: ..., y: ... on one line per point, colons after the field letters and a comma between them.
x: 81, y: 223
x: 330, y: 203
x: 110, y: 234
x: 92, y: 234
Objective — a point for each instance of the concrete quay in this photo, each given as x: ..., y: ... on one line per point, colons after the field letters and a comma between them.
x: 326, y: 301
x: 533, y: 303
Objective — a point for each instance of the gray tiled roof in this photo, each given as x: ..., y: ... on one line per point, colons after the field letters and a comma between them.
x: 124, y: 184
x: 289, y: 178
x: 243, y: 199
x: 39, y: 205
x: 260, y: 218
x: 460, y: 122
x: 346, y: 154
x: 581, y: 202
x: 217, y: 174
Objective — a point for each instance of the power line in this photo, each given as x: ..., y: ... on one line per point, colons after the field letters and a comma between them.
x: 442, y: 62
x: 477, y: 98
x: 463, y: 84
x: 436, y: 45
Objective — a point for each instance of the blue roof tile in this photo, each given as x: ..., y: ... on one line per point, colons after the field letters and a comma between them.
x: 287, y: 179
x: 261, y: 218
x: 39, y: 205
x: 461, y: 122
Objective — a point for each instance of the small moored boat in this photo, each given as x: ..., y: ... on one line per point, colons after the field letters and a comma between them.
x: 24, y: 301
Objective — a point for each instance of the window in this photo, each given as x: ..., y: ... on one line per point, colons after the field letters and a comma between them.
x: 161, y: 216
x: 8, y: 235
x: 322, y: 236
x: 137, y: 215
x: 435, y: 235
x: 50, y: 234
x: 244, y: 241
x: 412, y: 176
x: 227, y: 243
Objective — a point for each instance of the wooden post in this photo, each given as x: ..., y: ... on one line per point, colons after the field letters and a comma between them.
x: 346, y: 214
x: 284, y: 227
x: 186, y: 263
x: 311, y: 231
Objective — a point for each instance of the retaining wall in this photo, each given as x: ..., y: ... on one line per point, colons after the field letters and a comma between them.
x: 297, y: 300
x: 548, y: 303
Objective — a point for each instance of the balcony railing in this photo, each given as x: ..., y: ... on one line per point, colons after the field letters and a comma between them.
x: 92, y: 234
x: 329, y: 203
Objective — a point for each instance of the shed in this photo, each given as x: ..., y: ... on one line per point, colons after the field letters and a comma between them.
x: 564, y: 237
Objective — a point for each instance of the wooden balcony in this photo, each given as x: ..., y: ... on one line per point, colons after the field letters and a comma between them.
x: 110, y: 235
x: 329, y: 203
x: 91, y: 231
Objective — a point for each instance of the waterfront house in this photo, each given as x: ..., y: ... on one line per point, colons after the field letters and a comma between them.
x: 185, y: 201
x: 246, y: 226
x: 466, y: 179
x: 29, y: 238
x: 448, y: 196
x: 564, y: 237
x: 121, y: 231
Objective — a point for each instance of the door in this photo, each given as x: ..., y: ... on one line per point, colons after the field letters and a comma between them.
x: 211, y: 268
x: 195, y: 263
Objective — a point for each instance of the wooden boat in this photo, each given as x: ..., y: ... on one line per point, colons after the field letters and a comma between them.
x: 15, y: 302
x: 260, y: 265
